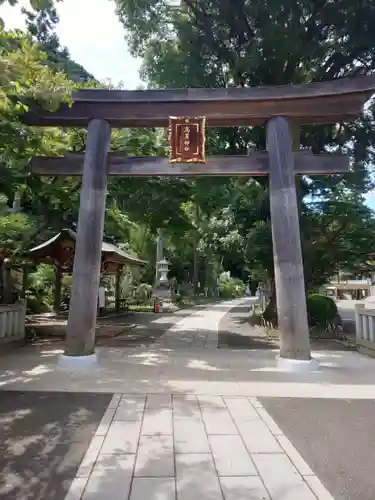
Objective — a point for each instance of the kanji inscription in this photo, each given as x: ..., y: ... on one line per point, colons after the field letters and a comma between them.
x: 187, y: 139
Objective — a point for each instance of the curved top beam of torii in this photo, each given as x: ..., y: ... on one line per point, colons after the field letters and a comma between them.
x: 324, y: 102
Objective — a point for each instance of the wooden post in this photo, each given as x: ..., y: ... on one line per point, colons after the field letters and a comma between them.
x: 80, y: 336
x: 57, y: 290
x: 118, y: 289
x: 289, y: 278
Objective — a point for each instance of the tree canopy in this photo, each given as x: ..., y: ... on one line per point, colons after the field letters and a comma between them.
x: 205, y: 43
x: 209, y: 225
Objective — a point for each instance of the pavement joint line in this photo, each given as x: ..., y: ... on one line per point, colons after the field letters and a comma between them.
x: 77, y: 488
x: 137, y: 447
x: 174, y: 449
x: 115, y: 398
x: 255, y: 402
x: 318, y: 490
x: 299, y: 463
x: 209, y: 446
x: 79, y: 483
x: 83, y: 480
x: 269, y: 421
x: 250, y: 454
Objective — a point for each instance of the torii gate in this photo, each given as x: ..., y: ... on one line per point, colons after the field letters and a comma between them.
x: 278, y: 108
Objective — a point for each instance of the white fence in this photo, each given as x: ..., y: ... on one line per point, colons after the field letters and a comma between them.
x: 365, y: 326
x: 12, y: 322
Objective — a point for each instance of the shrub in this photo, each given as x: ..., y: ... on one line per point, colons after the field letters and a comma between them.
x: 185, y: 290
x: 143, y: 293
x: 321, y: 309
x: 231, y: 287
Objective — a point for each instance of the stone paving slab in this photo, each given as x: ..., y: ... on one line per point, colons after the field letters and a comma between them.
x: 337, y: 439
x: 237, y: 458
x: 184, y: 420
x: 43, y: 439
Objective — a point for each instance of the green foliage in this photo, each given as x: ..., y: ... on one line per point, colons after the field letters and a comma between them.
x: 231, y: 287
x: 208, y: 225
x: 143, y: 293
x: 207, y: 43
x: 14, y: 228
x: 321, y: 310
x: 40, y: 289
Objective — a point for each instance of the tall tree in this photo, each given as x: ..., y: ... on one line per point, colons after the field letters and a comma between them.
x: 207, y: 43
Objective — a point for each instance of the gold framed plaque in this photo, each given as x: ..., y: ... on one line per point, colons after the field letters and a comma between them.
x: 187, y: 139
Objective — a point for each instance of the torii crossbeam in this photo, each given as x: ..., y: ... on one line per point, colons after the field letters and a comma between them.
x: 254, y: 164
x: 278, y: 108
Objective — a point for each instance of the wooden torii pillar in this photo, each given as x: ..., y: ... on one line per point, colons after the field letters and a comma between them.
x: 277, y: 107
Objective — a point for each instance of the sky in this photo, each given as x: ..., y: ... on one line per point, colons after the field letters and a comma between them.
x: 95, y: 38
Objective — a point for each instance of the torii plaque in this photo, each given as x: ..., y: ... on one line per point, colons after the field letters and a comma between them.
x: 187, y: 139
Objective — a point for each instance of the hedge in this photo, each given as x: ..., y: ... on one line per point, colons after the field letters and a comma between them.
x: 321, y: 309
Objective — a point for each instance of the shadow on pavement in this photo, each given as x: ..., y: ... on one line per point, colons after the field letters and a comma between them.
x: 235, y: 332
x: 43, y: 439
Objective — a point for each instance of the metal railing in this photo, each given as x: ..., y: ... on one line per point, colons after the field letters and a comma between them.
x: 12, y: 322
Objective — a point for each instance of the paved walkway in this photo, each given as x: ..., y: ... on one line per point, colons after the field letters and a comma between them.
x: 205, y: 447
x: 189, y: 420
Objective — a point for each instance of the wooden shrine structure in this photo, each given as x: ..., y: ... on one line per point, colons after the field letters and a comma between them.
x: 277, y: 108
x: 59, y: 252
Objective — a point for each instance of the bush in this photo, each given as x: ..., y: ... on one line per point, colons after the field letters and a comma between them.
x: 321, y: 310
x: 185, y: 290
x: 231, y: 287
x: 37, y: 305
x: 143, y: 293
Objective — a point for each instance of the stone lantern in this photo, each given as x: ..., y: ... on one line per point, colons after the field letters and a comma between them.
x: 162, y: 288
x: 163, y: 268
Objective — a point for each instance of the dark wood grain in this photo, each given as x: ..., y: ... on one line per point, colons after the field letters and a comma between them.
x: 80, y: 336
x: 326, y: 102
x: 289, y: 277
x: 118, y: 289
x: 318, y: 89
x: 256, y: 164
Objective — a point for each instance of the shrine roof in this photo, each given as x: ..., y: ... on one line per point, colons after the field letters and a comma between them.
x: 110, y: 251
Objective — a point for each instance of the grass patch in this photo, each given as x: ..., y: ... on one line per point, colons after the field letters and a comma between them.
x: 256, y: 319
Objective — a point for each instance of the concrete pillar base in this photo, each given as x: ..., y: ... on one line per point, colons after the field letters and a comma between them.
x: 297, y: 365
x: 77, y: 363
